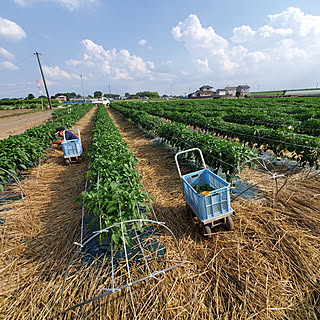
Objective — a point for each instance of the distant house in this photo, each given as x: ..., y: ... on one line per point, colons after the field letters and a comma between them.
x: 227, y: 92
x: 231, y: 91
x: 242, y: 90
x: 206, y: 89
x: 61, y: 98
x: 221, y: 92
x: 203, y: 92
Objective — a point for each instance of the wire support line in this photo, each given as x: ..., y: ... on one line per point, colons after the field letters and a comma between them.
x: 130, y: 283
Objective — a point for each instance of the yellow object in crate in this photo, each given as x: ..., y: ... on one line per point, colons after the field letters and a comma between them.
x: 205, y: 193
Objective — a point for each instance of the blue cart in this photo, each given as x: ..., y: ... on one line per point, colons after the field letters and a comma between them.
x: 72, y: 149
x: 211, y: 207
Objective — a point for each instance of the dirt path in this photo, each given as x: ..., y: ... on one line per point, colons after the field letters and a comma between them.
x: 12, y: 112
x: 16, y: 124
x: 38, y: 234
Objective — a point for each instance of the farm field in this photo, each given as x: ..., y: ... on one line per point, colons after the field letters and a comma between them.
x: 11, y: 124
x: 267, y: 268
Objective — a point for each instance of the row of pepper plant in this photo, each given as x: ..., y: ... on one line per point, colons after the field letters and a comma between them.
x: 19, y: 152
x: 299, y: 115
x: 302, y: 148
x: 115, y: 191
x: 229, y: 156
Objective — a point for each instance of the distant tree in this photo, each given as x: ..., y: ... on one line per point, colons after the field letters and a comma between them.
x: 69, y: 95
x: 127, y: 94
x: 30, y: 96
x: 111, y: 95
x: 148, y: 94
x: 97, y: 94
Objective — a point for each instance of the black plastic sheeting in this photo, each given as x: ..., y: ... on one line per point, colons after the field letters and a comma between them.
x: 94, y: 249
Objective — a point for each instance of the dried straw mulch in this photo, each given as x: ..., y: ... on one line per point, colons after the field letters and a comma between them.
x: 38, y: 234
x: 267, y: 268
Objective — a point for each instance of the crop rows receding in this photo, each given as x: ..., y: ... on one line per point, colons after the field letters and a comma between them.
x: 229, y: 156
x: 115, y: 192
x: 302, y: 115
x: 302, y: 148
x: 22, y: 151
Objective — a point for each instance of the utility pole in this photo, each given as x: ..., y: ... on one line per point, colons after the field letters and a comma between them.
x: 82, y: 88
x: 44, y: 81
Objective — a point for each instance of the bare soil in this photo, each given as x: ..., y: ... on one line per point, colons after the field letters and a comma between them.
x: 13, y: 124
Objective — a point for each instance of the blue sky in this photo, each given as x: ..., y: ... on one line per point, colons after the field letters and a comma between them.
x: 168, y: 46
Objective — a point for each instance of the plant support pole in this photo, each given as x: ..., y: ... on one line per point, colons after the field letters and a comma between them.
x: 44, y: 81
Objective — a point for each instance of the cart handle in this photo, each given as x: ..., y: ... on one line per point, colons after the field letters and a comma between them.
x: 78, y: 131
x: 186, y: 151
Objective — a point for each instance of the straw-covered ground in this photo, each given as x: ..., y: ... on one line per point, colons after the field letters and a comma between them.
x: 267, y: 268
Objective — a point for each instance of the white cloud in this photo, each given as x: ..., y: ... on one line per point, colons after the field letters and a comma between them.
x: 55, y: 73
x: 6, y: 54
x: 8, y: 65
x: 194, y: 35
x: 301, y: 24
x: 246, y: 34
x: 142, y: 42
x: 73, y: 62
x: 69, y: 4
x: 11, y: 31
x: 166, y: 76
x: 118, y: 64
x: 202, y: 65
x: 119, y: 75
x: 288, y: 44
x: 289, y: 24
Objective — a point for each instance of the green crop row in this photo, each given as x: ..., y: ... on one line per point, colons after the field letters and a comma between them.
x: 301, y: 115
x: 302, y: 148
x: 21, y: 151
x: 219, y: 154
x: 115, y: 193
x: 67, y: 110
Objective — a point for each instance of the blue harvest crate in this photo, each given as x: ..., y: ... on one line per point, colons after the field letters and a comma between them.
x: 212, y: 205
x: 72, y: 148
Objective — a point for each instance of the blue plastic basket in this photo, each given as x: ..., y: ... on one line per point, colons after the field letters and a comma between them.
x: 212, y: 205
x: 71, y: 148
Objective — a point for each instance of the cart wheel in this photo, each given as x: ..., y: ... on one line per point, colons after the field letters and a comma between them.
x: 67, y: 162
x: 229, y: 224
x: 207, y: 231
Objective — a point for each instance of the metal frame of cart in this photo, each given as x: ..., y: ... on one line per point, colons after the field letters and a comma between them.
x: 212, y: 209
